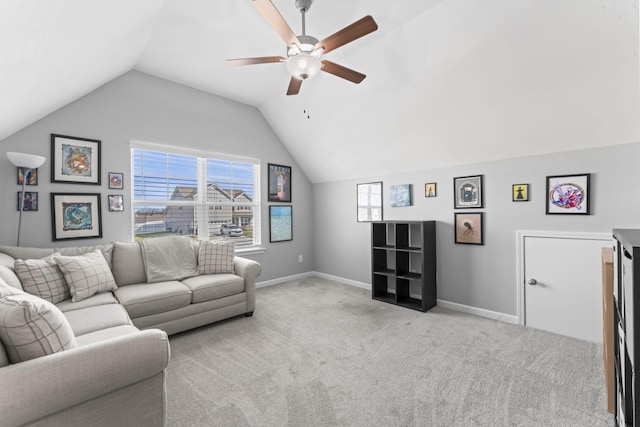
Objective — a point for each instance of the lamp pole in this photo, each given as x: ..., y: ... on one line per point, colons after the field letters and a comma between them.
x: 25, y: 172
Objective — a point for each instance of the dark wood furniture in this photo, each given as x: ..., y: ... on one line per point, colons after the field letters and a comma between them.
x: 403, y: 261
x: 626, y: 294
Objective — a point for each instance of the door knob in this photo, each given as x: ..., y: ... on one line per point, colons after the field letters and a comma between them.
x: 532, y: 282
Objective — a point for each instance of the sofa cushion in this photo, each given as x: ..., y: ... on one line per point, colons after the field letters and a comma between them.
x: 168, y: 258
x: 42, y: 278
x: 86, y: 274
x: 92, y: 301
x: 91, y: 319
x: 32, y: 327
x: 128, y: 265
x: 7, y: 274
x: 106, y: 250
x: 213, y: 286
x: 21, y: 252
x: 216, y: 256
x: 144, y: 299
x: 7, y: 260
x: 105, y: 334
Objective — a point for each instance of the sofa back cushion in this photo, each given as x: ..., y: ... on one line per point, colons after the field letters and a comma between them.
x: 9, y: 276
x: 86, y: 275
x: 128, y: 264
x: 31, y: 327
x: 42, y: 278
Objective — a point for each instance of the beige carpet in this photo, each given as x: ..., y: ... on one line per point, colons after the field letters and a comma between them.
x: 320, y: 353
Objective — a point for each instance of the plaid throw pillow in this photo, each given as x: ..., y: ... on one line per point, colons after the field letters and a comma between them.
x: 86, y: 275
x: 42, y: 278
x: 216, y: 257
x: 32, y: 327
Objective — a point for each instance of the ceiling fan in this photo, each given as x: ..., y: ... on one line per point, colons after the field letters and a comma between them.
x: 304, y: 52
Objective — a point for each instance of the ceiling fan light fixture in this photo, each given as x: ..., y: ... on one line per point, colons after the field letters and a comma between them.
x: 304, y: 66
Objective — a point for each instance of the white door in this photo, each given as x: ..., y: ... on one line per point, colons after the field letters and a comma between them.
x: 562, y: 284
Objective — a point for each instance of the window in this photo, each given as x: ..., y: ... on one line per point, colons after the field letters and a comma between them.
x: 193, y: 193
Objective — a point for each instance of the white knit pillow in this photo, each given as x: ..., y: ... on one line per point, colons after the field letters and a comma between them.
x: 42, y: 278
x: 86, y: 274
x: 216, y: 257
x: 31, y: 327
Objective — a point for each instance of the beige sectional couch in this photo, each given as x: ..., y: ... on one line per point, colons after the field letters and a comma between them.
x: 115, y: 372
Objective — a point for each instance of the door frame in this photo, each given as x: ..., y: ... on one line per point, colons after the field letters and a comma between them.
x: 520, y: 254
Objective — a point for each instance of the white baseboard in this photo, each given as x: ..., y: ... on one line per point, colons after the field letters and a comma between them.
x: 479, y: 312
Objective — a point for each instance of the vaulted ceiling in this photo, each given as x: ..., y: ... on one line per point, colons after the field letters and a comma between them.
x: 448, y: 81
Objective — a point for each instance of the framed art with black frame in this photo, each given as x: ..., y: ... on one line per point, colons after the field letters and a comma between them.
x: 116, y: 180
x: 369, y: 200
x: 469, y: 228
x: 116, y: 202
x: 30, y: 201
x: 32, y: 177
x: 520, y: 192
x: 280, y: 223
x: 279, y: 183
x: 75, y: 160
x: 467, y: 192
x: 75, y: 216
x: 568, y: 194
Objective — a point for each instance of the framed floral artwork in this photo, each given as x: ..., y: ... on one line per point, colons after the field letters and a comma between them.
x: 568, y: 194
x: 75, y: 160
x: 75, y: 216
x: 116, y: 181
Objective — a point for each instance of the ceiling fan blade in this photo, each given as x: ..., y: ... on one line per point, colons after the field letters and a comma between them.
x: 277, y: 22
x: 348, y: 34
x: 340, y: 71
x: 294, y: 86
x: 258, y: 60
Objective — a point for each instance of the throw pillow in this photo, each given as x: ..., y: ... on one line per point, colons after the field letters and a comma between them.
x: 32, y: 327
x: 42, y: 278
x: 86, y: 275
x: 216, y: 257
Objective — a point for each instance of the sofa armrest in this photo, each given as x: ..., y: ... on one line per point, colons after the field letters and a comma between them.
x: 62, y: 380
x: 249, y: 270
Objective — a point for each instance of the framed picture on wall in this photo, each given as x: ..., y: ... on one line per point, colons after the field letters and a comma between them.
x: 116, y: 181
x: 431, y: 189
x: 467, y: 192
x: 75, y: 160
x: 75, y: 216
x: 280, y: 223
x: 32, y: 177
x: 30, y: 201
x: 468, y: 228
x: 568, y: 194
x: 279, y: 182
x: 369, y: 200
x: 401, y: 195
x: 116, y: 203
x: 520, y: 192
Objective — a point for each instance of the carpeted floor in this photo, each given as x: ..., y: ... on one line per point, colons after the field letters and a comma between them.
x: 320, y: 353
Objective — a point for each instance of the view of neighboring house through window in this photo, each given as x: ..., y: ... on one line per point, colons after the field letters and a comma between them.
x: 202, y: 195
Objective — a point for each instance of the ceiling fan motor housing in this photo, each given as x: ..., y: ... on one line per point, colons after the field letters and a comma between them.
x: 303, y: 5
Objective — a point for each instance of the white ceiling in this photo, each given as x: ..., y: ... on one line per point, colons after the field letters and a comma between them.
x: 448, y: 81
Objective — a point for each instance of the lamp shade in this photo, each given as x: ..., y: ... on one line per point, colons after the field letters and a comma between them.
x: 24, y: 160
x: 304, y: 66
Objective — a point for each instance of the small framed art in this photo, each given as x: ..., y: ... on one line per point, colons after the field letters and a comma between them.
x: 430, y: 189
x: 280, y: 223
x: 279, y: 182
x: 116, y: 181
x: 369, y: 202
x: 75, y: 216
x: 401, y: 195
x: 467, y: 192
x: 32, y: 177
x: 75, y: 160
x: 116, y: 203
x: 568, y: 194
x: 468, y: 228
x: 30, y: 201
x: 520, y: 192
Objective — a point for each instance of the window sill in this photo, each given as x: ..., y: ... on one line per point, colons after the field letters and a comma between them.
x: 251, y: 251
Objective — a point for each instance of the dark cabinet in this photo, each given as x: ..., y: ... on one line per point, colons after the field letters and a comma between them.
x: 403, y: 261
x: 626, y: 293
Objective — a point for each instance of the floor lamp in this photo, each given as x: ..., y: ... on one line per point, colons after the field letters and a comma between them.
x: 25, y: 162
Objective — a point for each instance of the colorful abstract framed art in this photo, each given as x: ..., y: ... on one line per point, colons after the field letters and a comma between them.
x: 568, y: 194
x: 75, y: 216
x: 75, y: 160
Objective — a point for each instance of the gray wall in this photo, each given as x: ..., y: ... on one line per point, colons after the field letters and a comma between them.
x: 137, y: 106
x: 479, y: 276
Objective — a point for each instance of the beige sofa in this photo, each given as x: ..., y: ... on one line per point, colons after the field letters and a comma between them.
x: 122, y: 346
